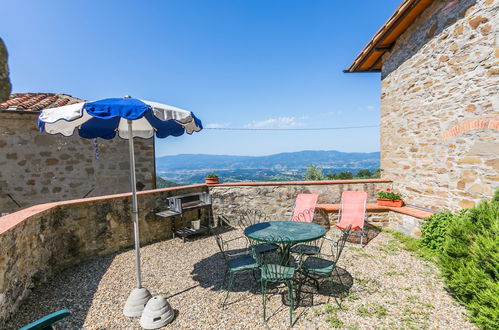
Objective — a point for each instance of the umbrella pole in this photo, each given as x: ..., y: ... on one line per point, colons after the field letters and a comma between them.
x: 139, y: 296
x: 135, y: 213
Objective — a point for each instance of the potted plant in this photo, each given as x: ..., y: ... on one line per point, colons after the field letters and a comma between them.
x: 211, y: 178
x: 389, y: 198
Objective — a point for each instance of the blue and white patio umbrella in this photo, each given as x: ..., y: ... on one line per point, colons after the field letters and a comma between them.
x: 128, y: 118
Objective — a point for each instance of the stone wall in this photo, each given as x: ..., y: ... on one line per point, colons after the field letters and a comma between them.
x: 39, y: 241
x: 277, y: 199
x: 38, y: 168
x: 440, y: 106
x: 4, y: 73
x: 404, y: 223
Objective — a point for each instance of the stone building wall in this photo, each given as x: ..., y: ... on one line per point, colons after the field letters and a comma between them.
x: 38, y: 168
x: 440, y: 106
x: 277, y: 199
x: 48, y: 238
x: 4, y: 73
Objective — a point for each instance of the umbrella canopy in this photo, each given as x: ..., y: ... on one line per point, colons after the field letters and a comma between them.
x: 128, y: 118
x: 107, y: 117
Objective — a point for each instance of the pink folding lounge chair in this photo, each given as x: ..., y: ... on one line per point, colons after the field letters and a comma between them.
x: 304, y: 209
x: 352, y: 212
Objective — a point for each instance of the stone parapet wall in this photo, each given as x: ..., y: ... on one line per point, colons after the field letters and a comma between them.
x: 276, y: 199
x: 39, y: 241
x: 39, y: 168
x: 440, y: 106
x: 404, y: 224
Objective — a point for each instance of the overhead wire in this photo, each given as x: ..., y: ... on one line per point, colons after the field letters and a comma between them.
x: 287, y: 129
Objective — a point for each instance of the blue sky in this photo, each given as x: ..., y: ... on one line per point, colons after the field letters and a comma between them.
x: 234, y: 63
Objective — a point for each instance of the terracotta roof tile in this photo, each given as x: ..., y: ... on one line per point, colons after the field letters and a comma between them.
x: 37, y: 101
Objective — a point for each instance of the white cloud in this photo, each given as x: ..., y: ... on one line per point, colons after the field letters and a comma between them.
x: 217, y: 125
x: 280, y: 122
x: 370, y: 107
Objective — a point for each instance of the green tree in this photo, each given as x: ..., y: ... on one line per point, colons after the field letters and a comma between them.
x: 314, y: 173
x: 364, y: 174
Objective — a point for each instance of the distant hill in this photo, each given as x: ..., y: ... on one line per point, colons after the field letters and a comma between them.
x: 192, y: 168
x: 162, y: 183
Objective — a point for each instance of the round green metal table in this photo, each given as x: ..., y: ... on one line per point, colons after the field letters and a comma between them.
x: 285, y: 233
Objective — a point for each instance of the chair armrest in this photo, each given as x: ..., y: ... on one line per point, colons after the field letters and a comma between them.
x: 238, y: 254
x: 47, y: 321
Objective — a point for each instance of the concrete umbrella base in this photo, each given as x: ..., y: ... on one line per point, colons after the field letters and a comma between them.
x: 157, y: 313
x: 136, y: 302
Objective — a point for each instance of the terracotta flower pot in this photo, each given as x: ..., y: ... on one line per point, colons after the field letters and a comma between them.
x: 211, y: 180
x: 389, y: 202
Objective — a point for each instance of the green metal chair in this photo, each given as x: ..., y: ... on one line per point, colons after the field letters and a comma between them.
x: 308, y: 248
x: 47, y: 322
x: 323, y: 265
x: 236, y: 261
x: 276, y: 268
x: 250, y: 217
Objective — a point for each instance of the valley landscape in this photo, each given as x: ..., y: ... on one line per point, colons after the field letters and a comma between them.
x: 193, y: 168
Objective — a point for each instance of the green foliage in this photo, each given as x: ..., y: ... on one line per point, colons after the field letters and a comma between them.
x: 347, y: 175
x: 162, y: 183
x: 434, y: 230
x: 364, y: 174
x: 470, y: 261
x: 314, y: 173
x: 212, y: 175
x: 387, y: 194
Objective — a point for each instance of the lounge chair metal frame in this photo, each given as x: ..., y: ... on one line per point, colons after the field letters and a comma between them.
x: 361, y: 227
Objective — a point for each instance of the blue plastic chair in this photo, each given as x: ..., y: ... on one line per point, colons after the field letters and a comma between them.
x: 46, y: 322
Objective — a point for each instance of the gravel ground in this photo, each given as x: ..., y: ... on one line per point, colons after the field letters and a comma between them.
x: 388, y: 288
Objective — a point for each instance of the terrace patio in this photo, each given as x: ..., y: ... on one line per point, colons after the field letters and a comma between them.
x: 390, y: 288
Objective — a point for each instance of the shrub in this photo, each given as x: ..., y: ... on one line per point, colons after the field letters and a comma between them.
x: 212, y: 175
x: 470, y: 261
x: 434, y: 230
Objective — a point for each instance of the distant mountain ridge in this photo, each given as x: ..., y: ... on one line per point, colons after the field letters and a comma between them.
x: 189, y: 168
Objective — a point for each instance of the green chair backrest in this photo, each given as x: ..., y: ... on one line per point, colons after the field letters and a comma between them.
x: 46, y: 322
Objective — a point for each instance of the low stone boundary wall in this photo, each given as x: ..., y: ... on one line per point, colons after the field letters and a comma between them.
x: 276, y: 199
x: 39, y: 241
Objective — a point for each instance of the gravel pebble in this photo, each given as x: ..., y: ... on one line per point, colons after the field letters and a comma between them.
x: 390, y: 288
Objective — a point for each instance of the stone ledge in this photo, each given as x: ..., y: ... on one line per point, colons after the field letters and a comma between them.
x: 420, y: 214
x: 11, y: 220
x: 289, y: 183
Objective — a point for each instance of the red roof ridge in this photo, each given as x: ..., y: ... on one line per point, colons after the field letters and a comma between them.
x: 30, y: 101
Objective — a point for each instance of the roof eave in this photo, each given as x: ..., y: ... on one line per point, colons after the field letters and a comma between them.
x: 403, y: 16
